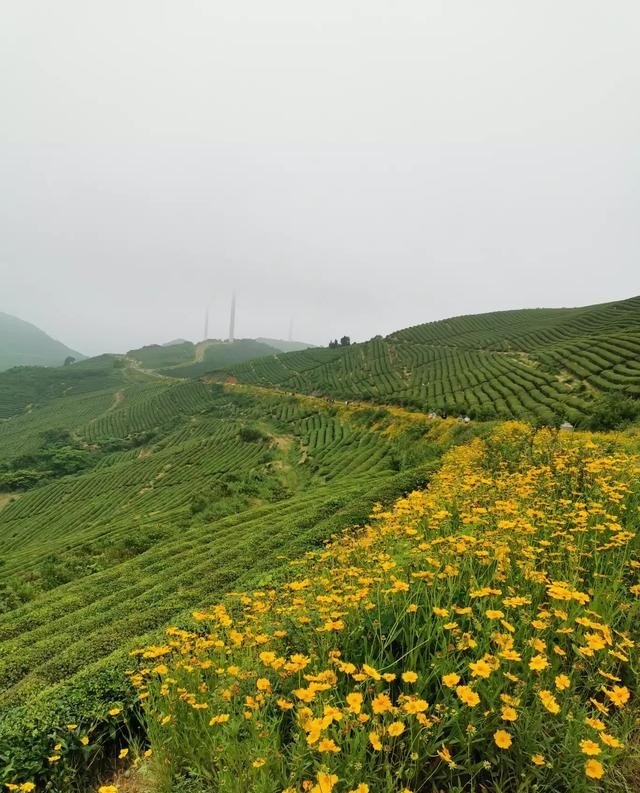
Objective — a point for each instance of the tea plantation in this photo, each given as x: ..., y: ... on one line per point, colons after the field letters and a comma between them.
x: 545, y: 365
x: 137, y: 488
x: 131, y: 498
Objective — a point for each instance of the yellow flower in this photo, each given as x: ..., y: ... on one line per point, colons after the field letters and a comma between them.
x: 84, y: 740
x: 593, y: 769
x: 619, y: 695
x: 445, y: 755
x: 611, y: 741
x: 371, y: 672
x: 54, y: 758
x: 267, y: 657
x: 589, y: 747
x: 123, y: 754
x: 326, y: 782
x: 314, y: 729
x: 511, y: 655
x: 263, y: 684
x: 220, y: 718
x: 362, y: 788
x: 374, y: 740
x: 538, y: 663
x: 509, y: 713
x: 537, y: 759
x: 395, y: 728
x: 354, y: 701
x: 502, y: 739
x: 562, y: 682
x: 115, y: 711
x: 381, y: 704
x: 549, y: 701
x: 451, y: 680
x: 595, y: 641
x: 305, y: 694
x: 480, y: 668
x: 108, y: 789
x: 468, y: 696
x: 596, y: 724
x: 409, y: 677
x: 327, y: 745
x: 415, y: 706
x: 258, y: 762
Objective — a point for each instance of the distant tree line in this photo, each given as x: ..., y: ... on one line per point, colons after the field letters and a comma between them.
x: 345, y: 341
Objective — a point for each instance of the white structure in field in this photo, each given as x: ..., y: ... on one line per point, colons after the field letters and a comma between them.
x: 232, y: 322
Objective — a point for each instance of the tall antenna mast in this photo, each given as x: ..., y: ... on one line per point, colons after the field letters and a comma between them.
x: 232, y: 323
x: 206, y: 324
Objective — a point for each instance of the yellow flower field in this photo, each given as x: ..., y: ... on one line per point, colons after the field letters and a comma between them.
x: 479, y: 635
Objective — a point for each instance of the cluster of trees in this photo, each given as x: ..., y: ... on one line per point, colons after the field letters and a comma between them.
x: 614, y: 411
x: 345, y: 341
x: 59, y: 455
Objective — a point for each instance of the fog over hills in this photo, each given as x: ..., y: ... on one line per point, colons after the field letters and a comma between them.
x: 23, y: 344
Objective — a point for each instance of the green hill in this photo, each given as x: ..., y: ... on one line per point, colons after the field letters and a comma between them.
x: 541, y: 364
x: 186, y: 359
x: 285, y: 346
x: 128, y: 498
x: 135, y: 488
x: 23, y: 344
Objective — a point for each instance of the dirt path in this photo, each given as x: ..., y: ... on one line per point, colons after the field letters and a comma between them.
x: 201, y: 348
x: 118, y: 398
x: 346, y: 405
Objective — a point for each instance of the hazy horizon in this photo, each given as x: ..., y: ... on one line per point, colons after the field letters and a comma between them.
x: 354, y: 169
x: 223, y: 334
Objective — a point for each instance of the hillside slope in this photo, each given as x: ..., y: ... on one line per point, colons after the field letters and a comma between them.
x: 541, y: 364
x: 186, y: 359
x: 131, y: 494
x: 284, y: 345
x: 127, y: 498
x: 23, y: 344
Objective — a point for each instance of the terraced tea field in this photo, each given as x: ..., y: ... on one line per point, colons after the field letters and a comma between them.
x: 194, y: 489
x: 545, y: 365
x: 132, y: 494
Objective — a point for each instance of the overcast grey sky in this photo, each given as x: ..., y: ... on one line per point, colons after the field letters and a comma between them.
x: 357, y: 166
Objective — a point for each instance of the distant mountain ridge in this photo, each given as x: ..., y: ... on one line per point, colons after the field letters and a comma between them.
x: 285, y: 346
x: 24, y: 344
